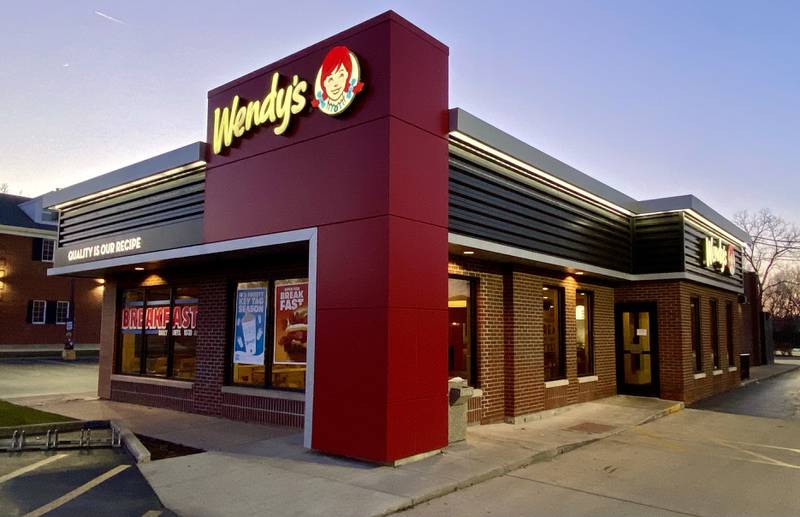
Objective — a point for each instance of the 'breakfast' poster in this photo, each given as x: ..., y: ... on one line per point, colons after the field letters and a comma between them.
x: 291, y: 322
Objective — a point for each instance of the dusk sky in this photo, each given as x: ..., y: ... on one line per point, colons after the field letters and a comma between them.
x: 655, y: 98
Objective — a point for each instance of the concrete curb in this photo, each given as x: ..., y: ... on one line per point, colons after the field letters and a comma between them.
x: 546, y: 455
x: 131, y: 443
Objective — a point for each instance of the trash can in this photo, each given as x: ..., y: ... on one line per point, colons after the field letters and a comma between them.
x: 744, y: 366
x: 459, y: 395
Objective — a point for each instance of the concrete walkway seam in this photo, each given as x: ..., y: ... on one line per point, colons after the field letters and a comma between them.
x: 522, y: 463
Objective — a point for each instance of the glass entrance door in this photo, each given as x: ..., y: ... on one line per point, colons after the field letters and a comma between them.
x: 637, y: 349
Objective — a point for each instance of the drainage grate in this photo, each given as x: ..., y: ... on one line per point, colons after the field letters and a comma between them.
x: 591, y: 428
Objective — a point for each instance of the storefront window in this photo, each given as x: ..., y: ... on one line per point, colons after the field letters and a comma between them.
x: 158, y: 332
x: 729, y: 333
x: 552, y: 322
x: 712, y: 305
x: 584, y: 323
x: 291, y: 334
x: 184, y: 332
x: 697, y: 354
x: 250, y: 337
x: 460, y: 342
x: 131, y: 339
x: 270, y: 345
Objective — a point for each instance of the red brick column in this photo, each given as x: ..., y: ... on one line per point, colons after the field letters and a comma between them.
x: 108, y: 326
x: 525, y: 367
x: 211, y: 340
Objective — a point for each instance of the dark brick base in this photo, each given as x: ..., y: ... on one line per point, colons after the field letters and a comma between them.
x: 168, y: 397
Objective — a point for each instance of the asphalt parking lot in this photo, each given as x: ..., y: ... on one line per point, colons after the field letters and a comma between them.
x: 22, y: 378
x: 86, y: 483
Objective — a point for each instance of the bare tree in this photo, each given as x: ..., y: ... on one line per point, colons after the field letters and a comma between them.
x: 783, y: 300
x: 774, y: 244
x: 3, y: 188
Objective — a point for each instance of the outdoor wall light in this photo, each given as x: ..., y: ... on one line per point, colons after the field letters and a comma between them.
x: 469, y: 252
x: 138, y: 268
x: 578, y: 272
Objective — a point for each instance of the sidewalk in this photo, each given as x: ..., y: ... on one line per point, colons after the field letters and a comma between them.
x: 762, y: 373
x: 253, y: 469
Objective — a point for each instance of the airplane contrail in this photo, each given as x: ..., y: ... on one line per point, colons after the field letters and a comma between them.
x: 108, y: 17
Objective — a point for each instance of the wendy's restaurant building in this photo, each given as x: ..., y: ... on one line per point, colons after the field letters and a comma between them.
x: 345, y: 243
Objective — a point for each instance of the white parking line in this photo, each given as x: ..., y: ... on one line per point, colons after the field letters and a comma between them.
x: 32, y: 466
x: 152, y: 513
x: 69, y: 496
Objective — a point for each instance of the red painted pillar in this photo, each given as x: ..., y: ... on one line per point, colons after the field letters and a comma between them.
x: 373, y: 181
x: 380, y: 389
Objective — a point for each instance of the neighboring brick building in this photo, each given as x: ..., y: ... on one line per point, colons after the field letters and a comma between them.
x: 35, y: 308
x: 332, y: 273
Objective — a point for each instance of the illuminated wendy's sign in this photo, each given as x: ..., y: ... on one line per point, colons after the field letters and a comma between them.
x: 719, y: 256
x: 337, y: 83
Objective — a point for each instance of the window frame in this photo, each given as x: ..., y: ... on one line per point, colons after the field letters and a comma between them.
x: 589, y: 333
x: 52, y: 245
x: 44, y: 312
x: 696, y: 329
x: 269, y: 334
x: 170, y: 338
x: 713, y: 308
x: 474, y: 374
x: 562, y: 330
x: 66, y: 315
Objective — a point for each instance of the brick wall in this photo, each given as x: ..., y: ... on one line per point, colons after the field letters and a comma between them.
x: 25, y: 280
x: 264, y: 410
x: 676, y: 365
x: 169, y: 397
x: 510, y: 340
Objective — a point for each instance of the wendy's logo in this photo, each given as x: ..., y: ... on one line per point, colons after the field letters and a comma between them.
x: 338, y: 81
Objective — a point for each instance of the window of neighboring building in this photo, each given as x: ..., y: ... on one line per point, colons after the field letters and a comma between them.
x: 48, y: 247
x: 62, y: 312
x: 584, y: 325
x: 714, y: 308
x: 270, y: 346
x: 158, y: 332
x: 461, y: 347
x: 729, y: 333
x: 697, y: 354
x: 552, y: 326
x: 38, y: 312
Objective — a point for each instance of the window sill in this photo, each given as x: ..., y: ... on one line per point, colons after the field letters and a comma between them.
x: 588, y: 378
x: 173, y: 383
x: 556, y: 383
x: 265, y: 393
x: 717, y: 372
x: 732, y: 368
x: 699, y: 376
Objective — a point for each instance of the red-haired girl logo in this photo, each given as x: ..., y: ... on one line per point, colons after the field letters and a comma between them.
x: 338, y: 81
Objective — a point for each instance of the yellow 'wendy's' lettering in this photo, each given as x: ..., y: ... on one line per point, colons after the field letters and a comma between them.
x: 278, y: 105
